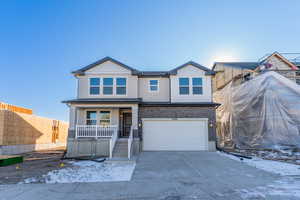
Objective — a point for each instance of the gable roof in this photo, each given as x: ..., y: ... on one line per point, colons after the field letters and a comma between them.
x: 103, y: 60
x: 243, y: 65
x: 143, y: 73
x: 207, y: 70
x: 254, y: 65
x: 278, y: 55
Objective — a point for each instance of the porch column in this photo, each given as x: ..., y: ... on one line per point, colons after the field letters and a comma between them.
x: 72, y: 117
x: 134, y: 111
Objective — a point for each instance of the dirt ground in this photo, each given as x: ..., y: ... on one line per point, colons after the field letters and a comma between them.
x: 35, y: 164
x: 287, y: 154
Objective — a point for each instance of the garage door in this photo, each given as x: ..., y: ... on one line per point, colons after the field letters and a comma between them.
x: 175, y: 135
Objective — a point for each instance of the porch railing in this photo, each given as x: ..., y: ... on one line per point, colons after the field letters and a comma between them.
x: 112, y: 143
x: 130, y: 139
x: 95, y: 131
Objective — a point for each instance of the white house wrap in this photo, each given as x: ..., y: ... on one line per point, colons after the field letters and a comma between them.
x: 260, y: 113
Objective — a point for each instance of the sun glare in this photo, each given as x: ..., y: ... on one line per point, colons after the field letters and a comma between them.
x: 223, y: 57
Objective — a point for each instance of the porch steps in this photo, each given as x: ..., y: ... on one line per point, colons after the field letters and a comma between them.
x: 121, y: 149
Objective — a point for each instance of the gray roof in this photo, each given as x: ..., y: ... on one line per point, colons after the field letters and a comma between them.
x: 104, y: 100
x: 182, y: 104
x: 82, y: 70
x: 207, y: 70
x: 139, y: 101
x: 143, y: 73
x: 153, y: 73
x: 243, y: 65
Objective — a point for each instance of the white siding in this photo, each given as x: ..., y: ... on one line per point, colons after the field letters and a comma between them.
x: 163, y: 93
x: 190, y: 72
x: 84, y: 90
x: 114, y: 120
x: 107, y: 69
x: 139, y: 87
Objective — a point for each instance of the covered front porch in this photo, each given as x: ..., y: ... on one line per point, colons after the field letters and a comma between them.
x: 102, y: 130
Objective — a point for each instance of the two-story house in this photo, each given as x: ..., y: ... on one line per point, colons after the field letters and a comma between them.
x: 120, y: 111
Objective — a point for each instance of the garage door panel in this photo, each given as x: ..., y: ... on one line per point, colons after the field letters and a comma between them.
x: 175, y: 135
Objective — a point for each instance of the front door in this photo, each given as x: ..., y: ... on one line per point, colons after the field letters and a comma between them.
x: 127, y: 120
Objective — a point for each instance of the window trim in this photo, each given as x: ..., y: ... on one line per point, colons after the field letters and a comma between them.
x: 89, y: 80
x: 189, y: 86
x: 197, y: 86
x: 112, y: 86
x: 115, y: 86
x: 98, y: 115
x: 149, y: 86
x: 109, y: 116
x: 86, y: 117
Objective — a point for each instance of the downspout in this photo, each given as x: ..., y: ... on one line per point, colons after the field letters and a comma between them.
x: 169, y: 88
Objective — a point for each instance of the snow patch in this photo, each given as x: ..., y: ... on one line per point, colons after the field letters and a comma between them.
x: 276, y: 167
x: 286, y: 187
x: 88, y: 171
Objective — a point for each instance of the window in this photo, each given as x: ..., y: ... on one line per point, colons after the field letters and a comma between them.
x: 104, y: 118
x: 108, y: 86
x: 298, y: 81
x: 197, y: 86
x: 94, y: 86
x: 121, y: 86
x: 91, y: 118
x: 153, y: 85
x: 184, y: 86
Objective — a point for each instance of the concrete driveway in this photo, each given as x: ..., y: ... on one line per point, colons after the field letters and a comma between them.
x: 161, y: 175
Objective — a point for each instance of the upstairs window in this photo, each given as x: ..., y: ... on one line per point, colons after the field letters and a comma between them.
x: 91, y: 118
x: 108, y: 86
x: 94, y: 86
x: 184, y: 86
x: 121, y: 86
x: 153, y: 85
x: 197, y: 86
x: 104, y: 118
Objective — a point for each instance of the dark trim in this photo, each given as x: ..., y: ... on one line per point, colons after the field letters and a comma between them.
x: 141, y: 103
x: 185, y: 104
x: 170, y: 91
x: 207, y: 70
x: 105, y: 100
x: 82, y: 70
x: 153, y: 74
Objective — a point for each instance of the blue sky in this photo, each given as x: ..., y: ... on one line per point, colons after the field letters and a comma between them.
x: 43, y: 41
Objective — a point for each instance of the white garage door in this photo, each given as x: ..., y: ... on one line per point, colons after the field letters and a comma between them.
x: 175, y: 135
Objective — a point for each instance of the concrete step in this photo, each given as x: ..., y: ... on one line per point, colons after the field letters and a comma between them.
x: 120, y: 149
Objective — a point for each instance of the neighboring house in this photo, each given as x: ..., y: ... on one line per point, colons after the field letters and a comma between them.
x: 227, y: 71
x: 120, y: 111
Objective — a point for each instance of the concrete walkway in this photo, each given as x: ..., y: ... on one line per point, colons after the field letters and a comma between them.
x: 160, y: 175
